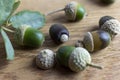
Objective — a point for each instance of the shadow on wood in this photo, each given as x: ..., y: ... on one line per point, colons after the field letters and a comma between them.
x: 99, y: 2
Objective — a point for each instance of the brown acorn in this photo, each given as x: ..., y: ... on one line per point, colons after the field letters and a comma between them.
x: 96, y: 40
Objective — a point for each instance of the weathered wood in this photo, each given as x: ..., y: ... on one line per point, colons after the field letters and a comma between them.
x: 23, y: 67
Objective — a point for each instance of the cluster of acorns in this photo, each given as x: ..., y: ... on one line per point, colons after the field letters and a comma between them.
x: 77, y: 58
x: 30, y: 37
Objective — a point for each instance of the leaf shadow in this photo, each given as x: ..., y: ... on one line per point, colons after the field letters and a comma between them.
x: 3, y: 61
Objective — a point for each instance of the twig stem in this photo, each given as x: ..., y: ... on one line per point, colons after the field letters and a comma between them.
x: 58, y: 10
x: 7, y: 29
x: 95, y: 66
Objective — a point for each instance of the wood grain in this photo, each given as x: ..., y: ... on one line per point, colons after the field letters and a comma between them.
x: 23, y: 67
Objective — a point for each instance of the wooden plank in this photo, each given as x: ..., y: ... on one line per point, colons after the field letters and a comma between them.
x: 23, y: 67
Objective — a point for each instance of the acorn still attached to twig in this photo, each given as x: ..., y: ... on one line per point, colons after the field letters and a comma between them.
x: 77, y: 59
x: 45, y: 59
x: 73, y: 10
x: 59, y: 33
x: 110, y: 24
x: 96, y: 40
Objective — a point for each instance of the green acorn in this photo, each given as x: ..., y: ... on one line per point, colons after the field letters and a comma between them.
x: 77, y: 59
x: 73, y: 11
x: 28, y: 36
x: 96, y: 40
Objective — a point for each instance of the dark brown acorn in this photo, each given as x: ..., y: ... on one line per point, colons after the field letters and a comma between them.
x: 96, y: 40
x: 59, y: 33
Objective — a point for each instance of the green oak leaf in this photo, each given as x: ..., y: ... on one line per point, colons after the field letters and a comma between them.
x: 26, y: 17
x: 6, y: 7
x: 8, y: 45
x: 15, y: 6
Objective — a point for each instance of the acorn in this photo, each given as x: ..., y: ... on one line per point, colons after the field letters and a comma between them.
x: 73, y: 11
x: 28, y: 36
x: 108, y: 1
x: 45, y: 59
x: 59, y: 33
x: 96, y: 40
x: 110, y: 24
x: 76, y: 59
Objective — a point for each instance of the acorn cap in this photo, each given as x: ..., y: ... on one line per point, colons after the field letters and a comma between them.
x: 70, y: 10
x: 110, y: 24
x: 45, y: 59
x: 19, y: 36
x: 88, y: 42
x: 79, y: 59
x: 104, y: 19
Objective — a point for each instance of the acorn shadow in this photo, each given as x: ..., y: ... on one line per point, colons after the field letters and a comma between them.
x: 61, y: 70
x: 59, y: 18
x: 20, y: 47
x: 49, y: 43
x: 94, y: 28
x: 99, y: 2
x: 26, y: 48
x: 58, y: 71
x: 3, y: 63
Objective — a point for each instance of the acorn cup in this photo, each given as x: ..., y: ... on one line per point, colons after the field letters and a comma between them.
x: 59, y: 33
x: 28, y: 36
x: 73, y: 11
x: 45, y: 59
x: 110, y: 24
x: 96, y: 40
x: 76, y: 59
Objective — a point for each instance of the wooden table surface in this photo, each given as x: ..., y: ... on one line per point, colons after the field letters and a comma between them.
x: 23, y: 67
